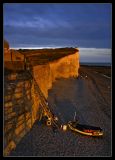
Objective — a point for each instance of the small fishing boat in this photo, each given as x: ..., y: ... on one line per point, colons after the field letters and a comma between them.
x: 85, y: 129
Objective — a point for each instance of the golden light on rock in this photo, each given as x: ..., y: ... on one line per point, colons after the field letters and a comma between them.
x: 46, y: 74
x: 22, y: 101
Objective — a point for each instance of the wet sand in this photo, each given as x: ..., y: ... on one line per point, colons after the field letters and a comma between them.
x: 90, y: 97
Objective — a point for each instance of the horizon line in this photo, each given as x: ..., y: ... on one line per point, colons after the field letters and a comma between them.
x: 38, y: 47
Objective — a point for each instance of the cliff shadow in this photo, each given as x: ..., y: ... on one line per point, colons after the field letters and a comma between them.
x: 14, y: 66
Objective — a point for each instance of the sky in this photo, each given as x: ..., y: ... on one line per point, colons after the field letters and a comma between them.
x: 40, y: 25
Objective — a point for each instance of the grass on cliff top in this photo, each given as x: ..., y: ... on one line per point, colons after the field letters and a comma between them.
x: 42, y: 56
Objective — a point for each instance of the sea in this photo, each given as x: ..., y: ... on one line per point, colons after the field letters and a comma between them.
x: 95, y: 64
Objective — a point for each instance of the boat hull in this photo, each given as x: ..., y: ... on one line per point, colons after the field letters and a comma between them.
x: 88, y: 132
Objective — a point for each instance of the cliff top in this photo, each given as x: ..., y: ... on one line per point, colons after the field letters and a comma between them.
x: 42, y: 56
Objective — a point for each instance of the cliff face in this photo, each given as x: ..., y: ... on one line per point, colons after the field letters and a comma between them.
x: 65, y: 67
x: 22, y: 101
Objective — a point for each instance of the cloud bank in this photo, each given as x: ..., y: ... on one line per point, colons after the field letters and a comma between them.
x: 97, y: 55
x: 87, y: 25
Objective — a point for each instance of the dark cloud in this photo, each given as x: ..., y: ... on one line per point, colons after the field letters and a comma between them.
x: 87, y: 25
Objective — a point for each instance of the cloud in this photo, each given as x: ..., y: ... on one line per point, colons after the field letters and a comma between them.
x: 95, y: 55
x: 84, y: 25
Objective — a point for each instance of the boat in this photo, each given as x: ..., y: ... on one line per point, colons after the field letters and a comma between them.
x: 85, y: 129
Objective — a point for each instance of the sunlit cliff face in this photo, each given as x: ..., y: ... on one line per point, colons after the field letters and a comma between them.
x: 65, y: 67
x: 21, y: 99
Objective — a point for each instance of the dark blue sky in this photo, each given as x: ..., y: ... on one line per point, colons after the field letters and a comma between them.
x: 54, y: 25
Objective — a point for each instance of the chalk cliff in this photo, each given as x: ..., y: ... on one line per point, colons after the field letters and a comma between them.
x: 65, y: 67
x: 22, y: 101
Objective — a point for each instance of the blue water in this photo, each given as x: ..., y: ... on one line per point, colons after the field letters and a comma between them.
x: 95, y: 64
